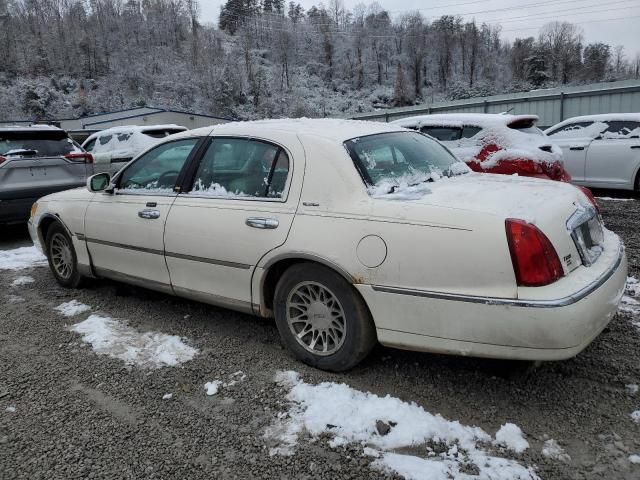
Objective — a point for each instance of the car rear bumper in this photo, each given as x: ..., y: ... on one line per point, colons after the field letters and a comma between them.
x: 497, y: 328
x: 15, y: 210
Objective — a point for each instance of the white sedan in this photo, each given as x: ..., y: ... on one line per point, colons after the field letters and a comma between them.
x: 347, y: 233
x: 601, y: 151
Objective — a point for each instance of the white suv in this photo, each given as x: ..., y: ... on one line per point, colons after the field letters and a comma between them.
x: 601, y: 150
x: 114, y: 147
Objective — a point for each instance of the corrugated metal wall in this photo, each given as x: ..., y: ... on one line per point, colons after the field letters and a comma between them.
x: 551, y: 105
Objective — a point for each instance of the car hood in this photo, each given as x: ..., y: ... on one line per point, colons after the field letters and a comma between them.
x: 507, y: 196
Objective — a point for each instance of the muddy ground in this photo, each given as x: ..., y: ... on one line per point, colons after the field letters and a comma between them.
x: 82, y: 415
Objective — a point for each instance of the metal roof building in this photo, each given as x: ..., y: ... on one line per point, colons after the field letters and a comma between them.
x: 552, y: 105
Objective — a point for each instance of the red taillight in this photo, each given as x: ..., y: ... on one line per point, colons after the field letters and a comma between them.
x: 2, y: 159
x: 535, y: 261
x: 589, y: 194
x: 80, y: 157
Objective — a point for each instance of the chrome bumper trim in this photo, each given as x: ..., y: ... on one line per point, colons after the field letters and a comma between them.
x: 512, y: 302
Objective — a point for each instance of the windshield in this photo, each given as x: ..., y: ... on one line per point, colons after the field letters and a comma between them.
x: 402, y: 157
x: 44, y: 143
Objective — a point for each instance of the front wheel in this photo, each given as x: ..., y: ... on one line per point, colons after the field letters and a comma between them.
x: 321, y: 318
x: 62, y: 257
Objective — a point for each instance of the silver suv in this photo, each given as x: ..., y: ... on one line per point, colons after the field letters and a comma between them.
x: 36, y: 161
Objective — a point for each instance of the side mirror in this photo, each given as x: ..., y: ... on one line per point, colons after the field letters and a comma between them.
x: 98, y: 182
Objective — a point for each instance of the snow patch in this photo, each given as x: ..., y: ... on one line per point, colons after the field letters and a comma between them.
x: 630, y: 303
x: 147, y: 350
x: 354, y: 416
x: 635, y: 416
x: 167, y: 396
x: 10, y: 409
x: 215, y: 386
x: 632, y: 388
x: 14, y: 299
x: 22, y: 280
x: 74, y: 307
x: 552, y: 449
x: 634, y: 459
x: 21, y: 258
x: 611, y: 199
x: 510, y: 436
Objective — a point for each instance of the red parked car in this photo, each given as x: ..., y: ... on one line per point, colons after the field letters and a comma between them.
x: 495, y: 143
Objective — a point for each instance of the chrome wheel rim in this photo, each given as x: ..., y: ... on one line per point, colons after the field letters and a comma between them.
x: 316, y: 318
x: 61, y: 256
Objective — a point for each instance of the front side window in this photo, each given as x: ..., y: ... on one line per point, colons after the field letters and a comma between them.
x: 414, y: 158
x: 444, y: 134
x: 157, y: 170
x: 239, y: 167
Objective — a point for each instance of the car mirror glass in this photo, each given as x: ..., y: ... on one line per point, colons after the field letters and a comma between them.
x: 99, y: 182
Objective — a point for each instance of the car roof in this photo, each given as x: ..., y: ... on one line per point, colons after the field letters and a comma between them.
x: 30, y: 128
x: 483, y: 120
x: 133, y: 128
x: 634, y: 117
x: 339, y: 130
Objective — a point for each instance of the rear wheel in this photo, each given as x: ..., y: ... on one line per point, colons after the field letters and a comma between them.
x: 62, y: 257
x: 321, y: 318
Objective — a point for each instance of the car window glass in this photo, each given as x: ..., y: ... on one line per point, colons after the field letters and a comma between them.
x: 104, y: 140
x: 621, y: 129
x: 444, y: 134
x: 157, y: 171
x: 89, y: 146
x: 468, y: 132
x: 576, y: 127
x: 123, y: 137
x: 39, y: 143
x: 242, y: 168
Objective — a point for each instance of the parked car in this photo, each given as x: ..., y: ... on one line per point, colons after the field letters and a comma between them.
x: 494, y: 143
x: 114, y: 147
x: 36, y: 161
x: 601, y: 150
x: 347, y: 233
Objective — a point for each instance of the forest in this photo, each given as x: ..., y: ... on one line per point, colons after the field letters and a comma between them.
x: 268, y: 58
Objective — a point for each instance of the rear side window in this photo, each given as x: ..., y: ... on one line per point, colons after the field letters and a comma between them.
x: 621, y: 129
x: 237, y: 167
x: 468, y: 132
x: 37, y: 143
x: 444, y: 134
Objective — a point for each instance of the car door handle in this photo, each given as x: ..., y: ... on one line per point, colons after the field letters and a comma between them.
x: 576, y: 148
x: 149, y: 214
x: 265, y: 223
x: 635, y: 146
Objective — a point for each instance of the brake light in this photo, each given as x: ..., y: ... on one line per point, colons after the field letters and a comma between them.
x: 2, y: 159
x: 535, y: 261
x: 589, y: 194
x: 80, y: 157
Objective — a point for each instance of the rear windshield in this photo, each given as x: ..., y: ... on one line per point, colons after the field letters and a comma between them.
x: 399, y: 155
x: 45, y: 144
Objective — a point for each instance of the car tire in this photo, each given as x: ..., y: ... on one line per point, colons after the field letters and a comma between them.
x: 63, y: 261
x: 340, y: 322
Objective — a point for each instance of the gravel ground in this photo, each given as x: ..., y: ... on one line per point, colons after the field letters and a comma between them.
x: 79, y: 414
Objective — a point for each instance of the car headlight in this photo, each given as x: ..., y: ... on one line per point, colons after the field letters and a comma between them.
x: 34, y: 209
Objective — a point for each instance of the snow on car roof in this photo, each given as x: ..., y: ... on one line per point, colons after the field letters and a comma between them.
x: 483, y: 120
x: 334, y: 129
x: 603, y: 117
x: 30, y: 128
x: 134, y: 128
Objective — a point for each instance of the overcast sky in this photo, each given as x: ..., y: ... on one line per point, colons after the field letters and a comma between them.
x: 616, y: 22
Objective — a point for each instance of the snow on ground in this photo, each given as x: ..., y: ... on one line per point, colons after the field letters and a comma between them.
x: 167, y: 396
x: 382, y: 425
x: 21, y: 258
x: 630, y: 302
x: 10, y: 409
x: 147, y: 350
x: 611, y: 199
x: 632, y: 388
x: 22, y: 280
x: 635, y: 416
x: 74, y: 307
x: 510, y: 436
x: 634, y: 458
x: 552, y: 449
x: 14, y: 299
x: 215, y: 386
